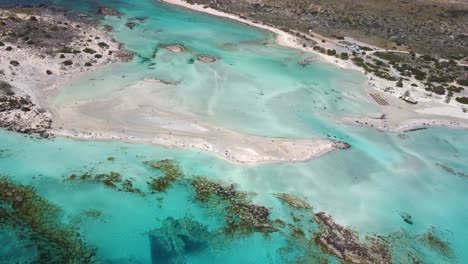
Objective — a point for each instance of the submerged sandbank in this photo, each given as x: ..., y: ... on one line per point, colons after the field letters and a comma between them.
x: 134, y: 115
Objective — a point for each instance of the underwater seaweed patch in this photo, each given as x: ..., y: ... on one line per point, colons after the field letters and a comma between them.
x: 37, y: 219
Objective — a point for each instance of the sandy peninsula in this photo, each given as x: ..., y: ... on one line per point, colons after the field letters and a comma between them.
x: 133, y: 115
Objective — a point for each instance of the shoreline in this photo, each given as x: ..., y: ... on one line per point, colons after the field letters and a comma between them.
x: 321, y: 146
x: 374, y: 84
x: 285, y: 39
x: 234, y: 147
x: 132, y: 115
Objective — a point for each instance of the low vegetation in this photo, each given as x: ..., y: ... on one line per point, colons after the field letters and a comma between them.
x: 387, y: 23
x: 6, y: 88
x: 462, y: 100
x: 89, y: 50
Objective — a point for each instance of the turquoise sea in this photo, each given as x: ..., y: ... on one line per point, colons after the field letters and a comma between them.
x: 92, y: 201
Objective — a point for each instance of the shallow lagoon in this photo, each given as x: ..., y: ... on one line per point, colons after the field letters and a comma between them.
x: 256, y: 87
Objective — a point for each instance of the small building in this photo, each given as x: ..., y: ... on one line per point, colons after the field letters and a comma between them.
x: 408, y: 99
x: 353, y: 47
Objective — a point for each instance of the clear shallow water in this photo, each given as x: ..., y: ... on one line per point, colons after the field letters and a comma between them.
x: 254, y: 88
x: 363, y: 189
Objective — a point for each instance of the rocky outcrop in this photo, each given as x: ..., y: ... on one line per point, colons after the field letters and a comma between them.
x: 124, y: 55
x: 107, y: 11
x: 21, y: 115
x: 341, y: 145
x: 130, y: 24
x: 346, y: 245
x: 175, y: 48
x: 206, y: 58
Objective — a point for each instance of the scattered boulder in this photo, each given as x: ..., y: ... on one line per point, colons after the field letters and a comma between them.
x: 175, y: 48
x: 206, y: 58
x: 130, y: 24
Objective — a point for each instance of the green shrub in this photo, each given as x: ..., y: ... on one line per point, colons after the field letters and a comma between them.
x: 88, y: 64
x: 98, y: 56
x: 400, y: 83
x: 419, y: 75
x: 439, y: 78
x: 2, y: 44
x: 439, y: 90
x: 455, y: 89
x: 49, y: 72
x: 88, y: 50
x: 390, y: 56
x: 429, y: 58
x: 365, y: 48
x: 14, y: 63
x: 344, y: 56
x: 6, y: 88
x: 103, y: 45
x: 65, y: 50
x: 462, y: 100
x: 331, y: 52
x: 463, y: 82
x: 67, y: 62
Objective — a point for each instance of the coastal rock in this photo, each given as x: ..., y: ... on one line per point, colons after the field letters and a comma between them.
x: 346, y: 245
x: 206, y: 58
x: 107, y: 11
x: 124, y: 55
x: 293, y: 201
x: 341, y: 145
x: 21, y: 115
x: 130, y: 24
x: 175, y: 48
x: 108, y: 28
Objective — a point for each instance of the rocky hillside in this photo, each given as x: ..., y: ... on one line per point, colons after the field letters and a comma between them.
x: 437, y: 27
